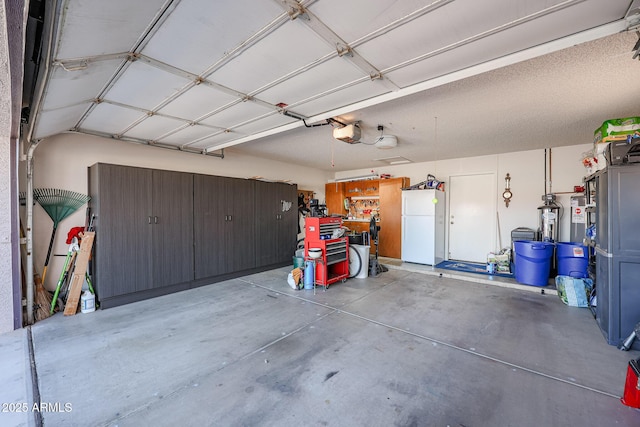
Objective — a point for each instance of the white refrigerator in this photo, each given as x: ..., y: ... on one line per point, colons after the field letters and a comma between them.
x: 423, y: 226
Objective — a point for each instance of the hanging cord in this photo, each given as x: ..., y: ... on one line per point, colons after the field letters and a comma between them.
x: 435, y: 145
x: 379, y: 139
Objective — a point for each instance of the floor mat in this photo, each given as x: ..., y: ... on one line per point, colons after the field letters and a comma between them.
x: 469, y: 267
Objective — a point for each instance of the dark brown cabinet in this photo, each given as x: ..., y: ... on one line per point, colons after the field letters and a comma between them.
x: 123, y: 244
x: 172, y: 228
x: 276, y: 222
x: 143, y: 227
x: 163, y: 231
x: 224, y: 212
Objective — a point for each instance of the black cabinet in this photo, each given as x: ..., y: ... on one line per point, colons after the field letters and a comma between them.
x: 224, y: 221
x: 162, y: 231
x: 121, y: 203
x: 172, y: 228
x: 617, y: 250
x: 144, y: 228
x: 276, y: 222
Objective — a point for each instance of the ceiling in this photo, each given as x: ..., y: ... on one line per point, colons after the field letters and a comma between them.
x: 449, y: 78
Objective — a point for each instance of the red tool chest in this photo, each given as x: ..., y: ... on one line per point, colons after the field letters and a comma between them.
x: 333, y: 264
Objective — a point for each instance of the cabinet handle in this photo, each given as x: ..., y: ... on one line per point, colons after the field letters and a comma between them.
x: 230, y: 218
x: 149, y: 218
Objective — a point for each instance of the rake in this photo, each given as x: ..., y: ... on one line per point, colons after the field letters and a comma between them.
x: 58, y: 204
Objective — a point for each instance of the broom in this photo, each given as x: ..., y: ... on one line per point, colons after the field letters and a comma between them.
x: 58, y: 204
x: 42, y: 296
x: 42, y: 300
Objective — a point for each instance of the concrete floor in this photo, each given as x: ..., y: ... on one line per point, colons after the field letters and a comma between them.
x: 406, y: 348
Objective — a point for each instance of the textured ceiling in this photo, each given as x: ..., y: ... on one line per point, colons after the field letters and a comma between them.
x: 448, y: 78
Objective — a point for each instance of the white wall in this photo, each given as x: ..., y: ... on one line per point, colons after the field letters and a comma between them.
x: 527, y: 171
x: 62, y: 162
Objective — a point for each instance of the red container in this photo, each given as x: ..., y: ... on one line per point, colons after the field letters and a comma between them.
x: 631, y: 395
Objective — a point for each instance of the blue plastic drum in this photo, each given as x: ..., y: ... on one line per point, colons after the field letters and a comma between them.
x: 533, y: 262
x: 572, y: 259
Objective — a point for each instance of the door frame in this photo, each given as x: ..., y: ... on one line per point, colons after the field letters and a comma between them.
x: 493, y: 206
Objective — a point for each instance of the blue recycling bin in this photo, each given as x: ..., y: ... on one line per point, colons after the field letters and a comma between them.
x: 533, y: 262
x: 572, y: 259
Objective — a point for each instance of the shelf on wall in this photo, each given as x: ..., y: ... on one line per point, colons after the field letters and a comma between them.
x: 365, y: 198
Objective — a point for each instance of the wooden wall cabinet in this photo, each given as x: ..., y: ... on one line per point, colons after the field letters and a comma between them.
x: 159, y: 232
x: 334, y: 193
x: 390, y: 193
x: 390, y: 237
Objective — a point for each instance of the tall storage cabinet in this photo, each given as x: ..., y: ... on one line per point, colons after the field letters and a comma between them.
x: 390, y: 244
x: 172, y: 228
x: 275, y: 218
x: 617, y: 250
x: 334, y: 194
x: 159, y: 232
x: 144, y: 224
x: 121, y: 203
x: 224, y: 225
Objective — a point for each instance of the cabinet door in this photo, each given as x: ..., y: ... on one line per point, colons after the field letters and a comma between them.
x: 334, y: 198
x: 287, y: 221
x: 624, y: 205
x: 209, y: 225
x: 602, y: 206
x: 266, y: 224
x: 122, y: 199
x: 354, y: 188
x: 172, y: 228
x: 390, y: 242
x: 370, y: 187
x: 239, y: 230
x: 276, y: 222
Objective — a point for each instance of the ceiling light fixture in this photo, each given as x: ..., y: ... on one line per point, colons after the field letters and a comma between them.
x: 395, y: 160
x: 385, y: 141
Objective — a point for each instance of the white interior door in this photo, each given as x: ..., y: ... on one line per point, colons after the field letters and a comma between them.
x: 472, y: 217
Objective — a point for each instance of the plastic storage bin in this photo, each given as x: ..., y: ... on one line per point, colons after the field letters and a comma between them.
x: 363, y: 252
x: 572, y: 259
x: 533, y: 262
x: 298, y: 262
